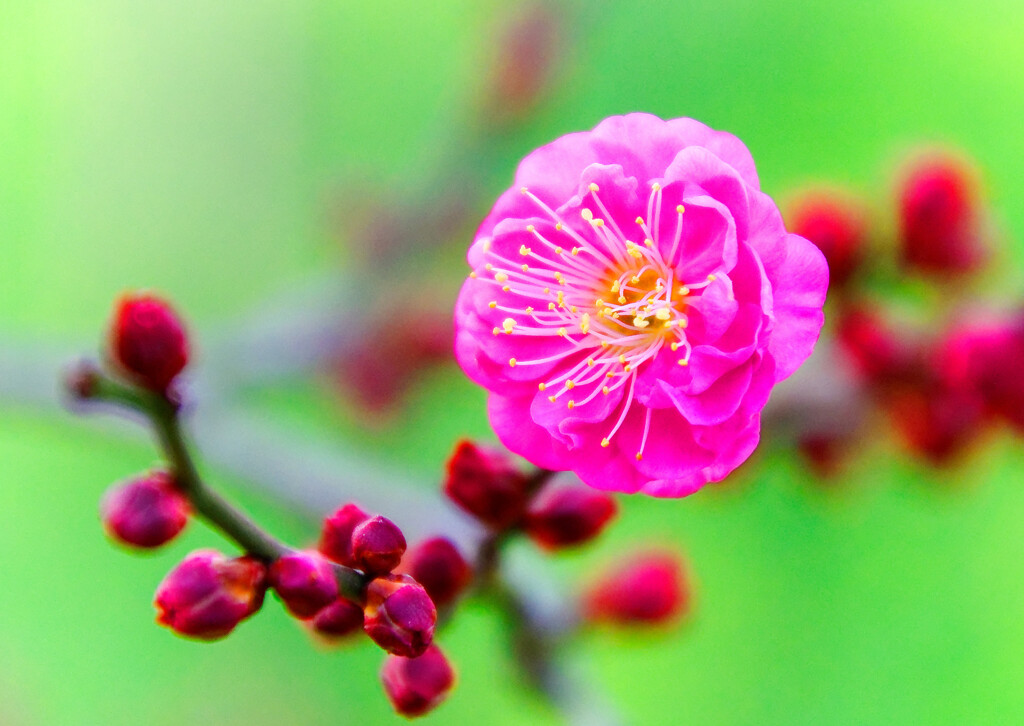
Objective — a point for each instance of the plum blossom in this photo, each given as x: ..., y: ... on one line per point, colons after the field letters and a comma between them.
x: 633, y: 299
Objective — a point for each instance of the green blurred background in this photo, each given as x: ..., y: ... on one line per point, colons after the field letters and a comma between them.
x: 198, y: 148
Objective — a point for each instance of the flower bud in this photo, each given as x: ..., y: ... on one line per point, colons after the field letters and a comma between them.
x: 148, y: 341
x: 835, y: 224
x: 484, y: 482
x: 342, y: 617
x: 145, y: 512
x: 939, y: 215
x: 377, y: 546
x: 439, y: 567
x: 417, y: 685
x: 304, y: 581
x: 208, y: 594
x: 399, y: 615
x: 647, y: 589
x: 879, y: 355
x: 336, y: 539
x: 983, y: 357
x: 561, y: 516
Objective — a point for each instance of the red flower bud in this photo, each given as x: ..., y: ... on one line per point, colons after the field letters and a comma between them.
x: 148, y: 341
x: 208, y: 594
x: 377, y: 545
x: 342, y: 617
x: 305, y: 582
x: 336, y: 539
x: 399, y: 615
x: 646, y: 589
x: 145, y: 512
x: 881, y: 356
x: 439, y: 567
x: 417, y: 685
x: 835, y: 224
x: 939, y: 215
x: 561, y: 516
x: 485, y: 483
x: 983, y: 358
x: 936, y: 421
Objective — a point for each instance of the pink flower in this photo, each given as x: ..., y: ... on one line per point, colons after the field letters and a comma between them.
x: 634, y: 298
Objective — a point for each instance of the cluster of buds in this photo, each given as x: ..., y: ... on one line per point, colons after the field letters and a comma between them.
x: 942, y: 383
x: 487, y: 484
x: 361, y: 576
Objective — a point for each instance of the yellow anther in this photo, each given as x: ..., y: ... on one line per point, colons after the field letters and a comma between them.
x: 593, y: 187
x: 627, y: 368
x: 524, y: 250
x: 528, y: 310
x: 575, y: 251
x: 570, y: 404
x: 559, y: 250
x: 634, y: 279
x: 551, y: 306
x: 684, y: 362
x: 605, y: 443
x: 649, y: 242
x: 616, y: 286
x: 558, y: 276
x: 524, y: 190
x: 711, y: 278
x: 486, y: 245
x: 640, y: 322
x: 605, y: 390
x: 622, y: 299
x: 663, y: 314
x: 684, y: 290
x: 501, y: 276
x: 590, y: 362
x: 569, y: 385
x: 473, y: 275
x: 674, y: 347
x: 512, y: 362
x: 496, y: 331
x: 551, y: 398
x: 609, y: 374
x: 679, y: 208
x: 622, y: 358
x: 561, y: 299
x: 488, y: 267
x: 639, y: 220
x: 572, y: 308
x: 656, y: 186
x: 506, y: 288
x: 526, y: 268
x: 530, y: 228
x: 605, y: 344
x: 558, y: 226
x: 547, y: 290
x: 639, y: 456
x: 598, y: 222
x: 542, y: 386
x: 587, y: 214
x: 563, y: 332
x: 584, y: 323
x: 508, y: 325
x: 492, y: 304
x: 634, y: 251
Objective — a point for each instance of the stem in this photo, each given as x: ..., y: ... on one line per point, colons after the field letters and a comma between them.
x: 207, y: 503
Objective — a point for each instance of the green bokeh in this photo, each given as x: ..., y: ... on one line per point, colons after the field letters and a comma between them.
x: 193, y: 147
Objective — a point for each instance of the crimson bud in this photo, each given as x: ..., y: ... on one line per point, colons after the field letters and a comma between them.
x: 399, y: 615
x: 304, y: 581
x: 561, y: 516
x: 148, y: 341
x: 417, y: 685
x: 145, y: 512
x: 208, y: 594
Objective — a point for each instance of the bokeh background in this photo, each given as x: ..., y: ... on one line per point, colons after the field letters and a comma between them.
x: 242, y: 157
